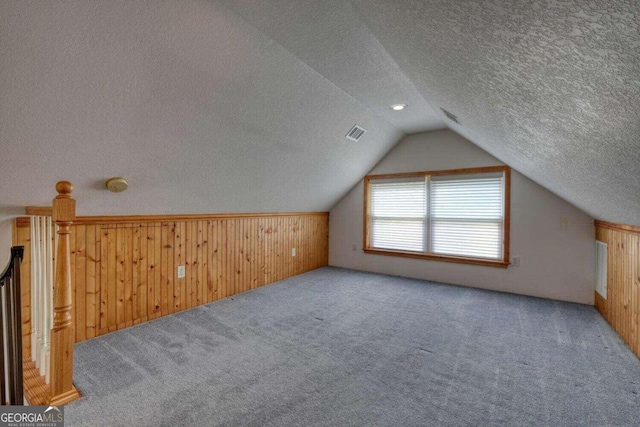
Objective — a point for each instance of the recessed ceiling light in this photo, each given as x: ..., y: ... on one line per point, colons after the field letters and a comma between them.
x: 398, y: 107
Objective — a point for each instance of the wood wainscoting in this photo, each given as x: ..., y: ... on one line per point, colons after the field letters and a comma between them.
x: 124, y: 269
x: 622, y: 306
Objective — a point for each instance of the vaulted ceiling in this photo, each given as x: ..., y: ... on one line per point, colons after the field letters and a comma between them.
x: 243, y: 105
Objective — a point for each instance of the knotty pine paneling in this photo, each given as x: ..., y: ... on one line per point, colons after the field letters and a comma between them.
x: 622, y: 306
x: 125, y: 273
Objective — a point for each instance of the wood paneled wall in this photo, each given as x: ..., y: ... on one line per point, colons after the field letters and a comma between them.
x: 622, y: 306
x: 125, y: 268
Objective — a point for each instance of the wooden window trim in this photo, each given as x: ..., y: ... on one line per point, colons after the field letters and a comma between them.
x: 503, y: 263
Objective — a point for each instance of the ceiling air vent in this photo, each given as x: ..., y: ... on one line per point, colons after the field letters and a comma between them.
x: 450, y: 116
x: 356, y: 133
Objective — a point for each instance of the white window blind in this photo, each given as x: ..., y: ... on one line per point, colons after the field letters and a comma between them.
x: 467, y: 215
x: 398, y: 214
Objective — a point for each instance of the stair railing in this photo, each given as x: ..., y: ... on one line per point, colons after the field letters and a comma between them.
x: 12, y: 387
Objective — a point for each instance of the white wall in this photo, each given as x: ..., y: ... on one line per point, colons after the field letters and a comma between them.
x: 555, y: 263
x: 200, y: 111
x: 5, y: 243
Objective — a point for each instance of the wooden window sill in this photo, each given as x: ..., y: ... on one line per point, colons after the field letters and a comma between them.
x: 433, y: 257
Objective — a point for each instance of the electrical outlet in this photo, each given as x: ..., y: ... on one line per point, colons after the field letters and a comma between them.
x: 515, y: 261
x: 181, y: 272
x: 293, y: 251
x: 354, y: 247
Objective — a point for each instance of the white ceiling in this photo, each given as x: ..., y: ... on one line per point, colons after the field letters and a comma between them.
x: 331, y: 38
x: 242, y: 105
x: 550, y: 87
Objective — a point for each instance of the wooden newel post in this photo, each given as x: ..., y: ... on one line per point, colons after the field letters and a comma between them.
x: 62, y: 333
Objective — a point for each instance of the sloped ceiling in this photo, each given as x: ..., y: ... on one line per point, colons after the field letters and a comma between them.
x: 551, y: 87
x: 242, y: 105
x: 197, y: 108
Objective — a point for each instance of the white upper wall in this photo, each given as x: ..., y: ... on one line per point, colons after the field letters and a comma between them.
x: 198, y: 109
x: 5, y: 243
x: 555, y: 263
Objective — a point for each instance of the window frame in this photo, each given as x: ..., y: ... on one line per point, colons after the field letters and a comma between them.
x: 506, y: 224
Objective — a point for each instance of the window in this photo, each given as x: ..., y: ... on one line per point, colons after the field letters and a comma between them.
x: 459, y: 216
x: 398, y: 212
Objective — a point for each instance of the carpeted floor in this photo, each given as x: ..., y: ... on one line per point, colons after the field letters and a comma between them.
x: 337, y: 347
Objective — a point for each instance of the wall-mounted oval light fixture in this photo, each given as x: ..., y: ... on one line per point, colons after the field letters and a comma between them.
x: 117, y: 185
x: 398, y: 107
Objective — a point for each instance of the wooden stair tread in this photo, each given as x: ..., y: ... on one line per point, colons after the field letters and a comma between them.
x: 36, y: 390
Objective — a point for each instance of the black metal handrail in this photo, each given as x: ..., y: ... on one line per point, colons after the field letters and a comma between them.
x: 12, y: 390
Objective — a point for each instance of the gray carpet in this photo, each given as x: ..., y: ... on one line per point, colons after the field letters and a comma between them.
x: 337, y: 347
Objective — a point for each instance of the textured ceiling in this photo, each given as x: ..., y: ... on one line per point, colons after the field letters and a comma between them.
x: 242, y: 105
x: 551, y: 88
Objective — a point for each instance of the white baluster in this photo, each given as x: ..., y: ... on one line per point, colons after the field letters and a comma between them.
x: 46, y: 294
x: 32, y: 221
x: 36, y: 291
x: 42, y: 262
x: 44, y: 244
x: 49, y: 299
